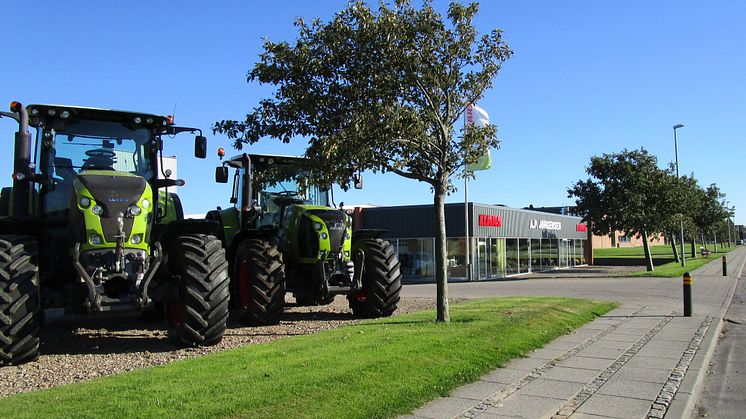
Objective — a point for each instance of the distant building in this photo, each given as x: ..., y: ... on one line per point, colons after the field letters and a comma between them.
x: 615, y: 239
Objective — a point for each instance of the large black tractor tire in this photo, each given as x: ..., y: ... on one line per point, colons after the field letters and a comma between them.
x: 381, y: 280
x: 200, y: 313
x: 259, y: 282
x: 20, y: 312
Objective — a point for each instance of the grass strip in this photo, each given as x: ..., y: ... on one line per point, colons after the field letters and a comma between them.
x: 380, y: 368
x: 674, y: 269
x: 658, y: 251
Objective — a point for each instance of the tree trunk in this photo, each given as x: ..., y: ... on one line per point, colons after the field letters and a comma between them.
x: 676, y: 259
x: 694, y: 251
x: 648, y: 255
x: 441, y: 267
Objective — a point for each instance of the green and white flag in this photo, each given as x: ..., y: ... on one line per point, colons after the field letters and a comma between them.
x: 478, y: 117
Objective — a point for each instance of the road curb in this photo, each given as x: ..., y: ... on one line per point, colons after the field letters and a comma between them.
x: 683, y: 407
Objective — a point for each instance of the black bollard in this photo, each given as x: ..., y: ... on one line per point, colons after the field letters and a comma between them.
x: 725, y: 267
x: 687, y: 295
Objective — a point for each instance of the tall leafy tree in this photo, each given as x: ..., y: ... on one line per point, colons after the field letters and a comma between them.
x: 623, y: 194
x: 381, y: 90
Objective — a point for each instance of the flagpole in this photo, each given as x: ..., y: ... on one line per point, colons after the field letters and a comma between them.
x: 466, y: 215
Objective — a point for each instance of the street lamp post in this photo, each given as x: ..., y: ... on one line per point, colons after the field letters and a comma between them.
x: 676, y: 149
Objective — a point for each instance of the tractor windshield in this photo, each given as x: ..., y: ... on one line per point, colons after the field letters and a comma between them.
x: 91, y: 145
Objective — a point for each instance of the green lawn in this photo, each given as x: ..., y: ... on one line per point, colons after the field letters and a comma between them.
x: 380, y: 368
x: 667, y: 270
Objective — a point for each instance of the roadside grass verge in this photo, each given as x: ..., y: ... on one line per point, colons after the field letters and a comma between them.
x: 659, y: 251
x: 674, y: 269
x: 380, y: 368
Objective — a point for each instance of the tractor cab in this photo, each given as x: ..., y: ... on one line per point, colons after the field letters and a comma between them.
x: 91, y: 210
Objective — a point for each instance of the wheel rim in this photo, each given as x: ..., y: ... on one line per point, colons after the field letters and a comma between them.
x: 244, y: 288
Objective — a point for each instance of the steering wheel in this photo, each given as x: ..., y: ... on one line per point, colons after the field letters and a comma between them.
x: 100, y: 153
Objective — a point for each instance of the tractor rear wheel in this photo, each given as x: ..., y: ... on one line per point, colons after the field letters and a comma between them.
x: 199, y: 315
x: 259, y: 282
x: 381, y: 280
x: 20, y: 312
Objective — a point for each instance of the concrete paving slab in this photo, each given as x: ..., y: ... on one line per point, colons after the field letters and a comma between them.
x: 575, y: 375
x: 586, y: 416
x: 551, y: 388
x: 632, y: 389
x: 642, y: 374
x: 604, y: 343
x: 444, y: 408
x: 547, y: 354
x: 478, y: 390
x: 527, y: 364
x: 615, y: 407
x: 601, y: 353
x: 647, y: 362
x: 505, y: 375
x: 596, y: 364
x: 526, y: 406
x: 672, y: 354
x: 622, y: 337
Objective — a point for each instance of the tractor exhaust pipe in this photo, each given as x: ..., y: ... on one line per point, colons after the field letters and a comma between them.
x: 22, y: 160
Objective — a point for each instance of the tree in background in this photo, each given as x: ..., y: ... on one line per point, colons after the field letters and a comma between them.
x: 677, y: 195
x: 712, y: 212
x: 623, y: 193
x: 381, y: 91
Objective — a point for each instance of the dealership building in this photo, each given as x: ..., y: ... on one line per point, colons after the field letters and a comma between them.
x: 504, y: 241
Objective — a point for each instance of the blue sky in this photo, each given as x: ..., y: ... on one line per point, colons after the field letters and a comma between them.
x: 586, y: 78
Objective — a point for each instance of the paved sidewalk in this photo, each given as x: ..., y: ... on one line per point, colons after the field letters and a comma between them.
x: 643, y: 359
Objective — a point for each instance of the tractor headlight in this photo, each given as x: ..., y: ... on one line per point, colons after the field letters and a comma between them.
x: 65, y: 114
x: 85, y: 202
x: 98, y: 209
x: 136, y: 239
x: 134, y: 210
x: 95, y: 239
x: 145, y: 203
x: 138, y: 120
x: 317, y: 226
x: 323, y: 236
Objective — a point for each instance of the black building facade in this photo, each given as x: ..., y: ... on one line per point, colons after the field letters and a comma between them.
x: 503, y: 241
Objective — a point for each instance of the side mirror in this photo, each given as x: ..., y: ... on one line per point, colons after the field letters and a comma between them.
x: 221, y: 174
x: 200, y: 147
x: 357, y: 179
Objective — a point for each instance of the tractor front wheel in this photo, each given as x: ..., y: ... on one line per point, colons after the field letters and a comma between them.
x: 20, y: 312
x: 199, y: 315
x: 381, y: 280
x: 259, y: 282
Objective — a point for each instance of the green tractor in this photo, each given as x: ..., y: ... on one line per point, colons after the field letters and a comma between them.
x: 89, y: 227
x: 282, y: 236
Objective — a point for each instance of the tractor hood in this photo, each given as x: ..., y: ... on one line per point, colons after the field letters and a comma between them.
x: 114, y: 192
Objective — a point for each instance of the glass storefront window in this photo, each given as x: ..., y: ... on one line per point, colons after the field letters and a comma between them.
x: 511, y: 256
x: 551, y: 253
x: 417, y: 257
x: 578, y: 252
x: 456, y: 258
x: 583, y: 261
x: 497, y: 258
x: 524, y: 253
x: 536, y: 255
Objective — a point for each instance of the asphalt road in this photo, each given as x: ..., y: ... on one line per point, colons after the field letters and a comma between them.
x: 725, y: 383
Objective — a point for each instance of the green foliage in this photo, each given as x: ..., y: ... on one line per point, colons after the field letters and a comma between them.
x: 380, y: 368
x: 623, y: 193
x: 378, y: 90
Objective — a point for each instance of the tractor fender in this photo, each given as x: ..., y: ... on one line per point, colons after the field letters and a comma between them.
x: 254, y: 233
x: 168, y: 233
x: 367, y: 234
x: 32, y: 226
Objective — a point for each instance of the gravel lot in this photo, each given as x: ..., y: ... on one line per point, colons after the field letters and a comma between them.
x: 78, y: 348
